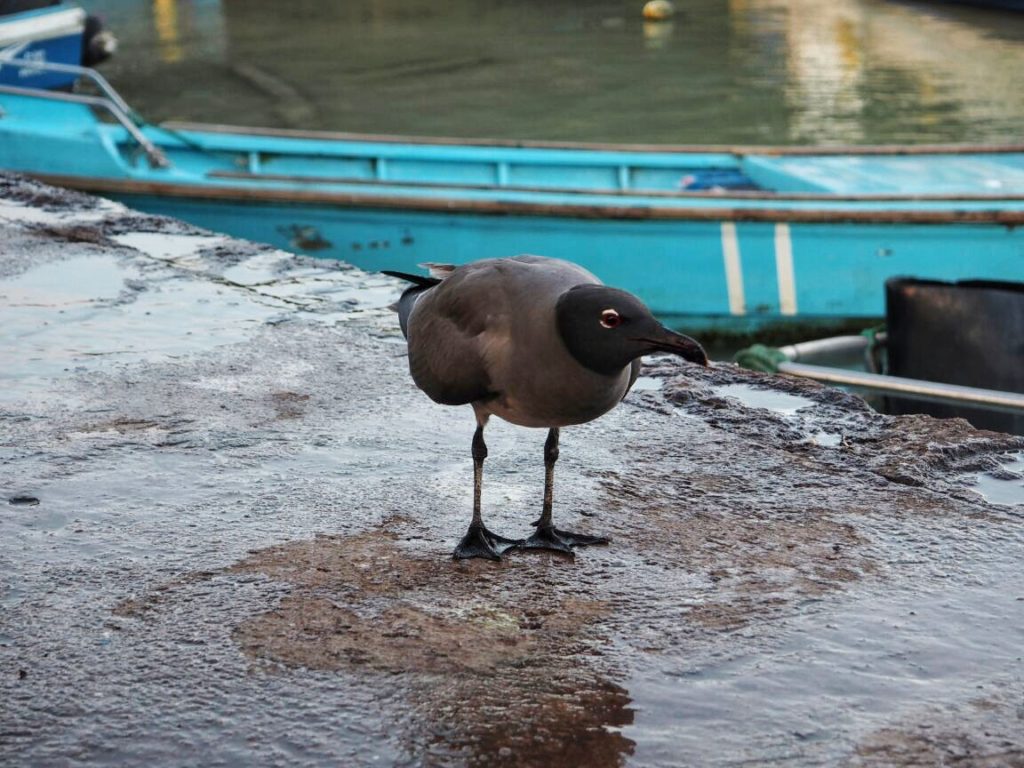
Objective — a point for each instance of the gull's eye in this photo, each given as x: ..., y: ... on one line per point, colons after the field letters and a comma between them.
x: 610, y: 318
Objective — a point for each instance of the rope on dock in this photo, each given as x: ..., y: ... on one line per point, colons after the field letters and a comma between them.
x: 760, y: 357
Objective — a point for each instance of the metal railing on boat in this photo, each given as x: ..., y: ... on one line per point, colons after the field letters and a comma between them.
x: 788, y: 360
x: 110, y: 101
x: 916, y: 389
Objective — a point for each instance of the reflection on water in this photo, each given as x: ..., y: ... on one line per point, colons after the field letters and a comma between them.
x: 758, y: 71
x: 165, y: 21
x: 824, y: 64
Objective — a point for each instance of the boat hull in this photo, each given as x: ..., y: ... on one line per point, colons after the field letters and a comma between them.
x: 798, y: 238
x: 731, y: 275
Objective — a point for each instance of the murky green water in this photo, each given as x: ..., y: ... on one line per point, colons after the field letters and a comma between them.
x: 736, y: 71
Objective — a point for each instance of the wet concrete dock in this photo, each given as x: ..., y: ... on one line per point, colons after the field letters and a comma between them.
x: 227, y: 519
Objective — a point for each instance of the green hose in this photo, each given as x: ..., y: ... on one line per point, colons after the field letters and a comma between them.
x: 760, y: 358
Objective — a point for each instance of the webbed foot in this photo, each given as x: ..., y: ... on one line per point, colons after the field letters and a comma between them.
x: 552, y: 538
x: 480, y: 542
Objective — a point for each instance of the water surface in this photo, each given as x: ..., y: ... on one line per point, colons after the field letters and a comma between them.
x: 743, y: 71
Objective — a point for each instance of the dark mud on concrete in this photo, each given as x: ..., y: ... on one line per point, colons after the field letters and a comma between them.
x: 241, y: 550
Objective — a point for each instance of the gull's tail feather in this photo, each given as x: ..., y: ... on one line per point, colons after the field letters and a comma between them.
x: 407, y: 300
x: 418, y: 280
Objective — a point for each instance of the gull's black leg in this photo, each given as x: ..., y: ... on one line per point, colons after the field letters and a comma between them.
x: 547, y: 536
x: 478, y: 541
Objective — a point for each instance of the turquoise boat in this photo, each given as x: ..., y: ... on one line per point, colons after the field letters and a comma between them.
x: 719, y: 238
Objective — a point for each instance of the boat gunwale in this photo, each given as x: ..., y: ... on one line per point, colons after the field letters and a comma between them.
x: 738, y: 149
x: 64, y: 20
x: 722, y: 194
x: 1011, y: 218
x: 737, y: 153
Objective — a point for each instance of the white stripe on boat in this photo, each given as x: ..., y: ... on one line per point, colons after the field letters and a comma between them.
x: 43, y: 26
x: 784, y: 269
x: 733, y: 268
x: 12, y: 52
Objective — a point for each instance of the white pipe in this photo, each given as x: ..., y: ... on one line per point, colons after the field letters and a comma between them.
x: 832, y: 345
x: 919, y: 390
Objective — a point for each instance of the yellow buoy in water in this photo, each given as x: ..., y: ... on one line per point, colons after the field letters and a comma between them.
x: 658, y: 10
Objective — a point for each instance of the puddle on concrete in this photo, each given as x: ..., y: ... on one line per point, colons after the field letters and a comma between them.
x: 79, y: 281
x: 331, y: 290
x: 827, y: 439
x: 1005, y: 488
x: 1013, y: 462
x: 169, y: 247
x: 998, y: 491
x: 356, y: 289
x: 83, y: 311
x: 271, y: 266
x: 835, y: 676
x: 780, y: 402
x: 647, y: 384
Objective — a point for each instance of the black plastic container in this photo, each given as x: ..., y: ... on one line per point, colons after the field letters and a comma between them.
x: 969, y: 333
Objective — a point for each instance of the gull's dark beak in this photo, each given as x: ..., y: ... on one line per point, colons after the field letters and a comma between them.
x: 678, y: 344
